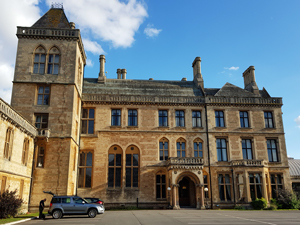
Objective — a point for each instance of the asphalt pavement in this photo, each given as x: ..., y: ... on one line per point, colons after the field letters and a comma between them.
x: 179, y: 217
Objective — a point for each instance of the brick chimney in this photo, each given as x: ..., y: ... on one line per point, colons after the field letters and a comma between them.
x: 249, y: 80
x: 198, y: 79
x: 102, y: 77
x: 119, y: 73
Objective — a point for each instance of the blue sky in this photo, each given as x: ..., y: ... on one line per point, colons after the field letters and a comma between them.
x: 160, y: 39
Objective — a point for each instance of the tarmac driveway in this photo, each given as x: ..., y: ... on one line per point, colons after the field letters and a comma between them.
x: 179, y: 217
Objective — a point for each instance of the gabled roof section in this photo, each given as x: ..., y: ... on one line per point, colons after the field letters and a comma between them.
x: 54, y: 18
x: 230, y: 90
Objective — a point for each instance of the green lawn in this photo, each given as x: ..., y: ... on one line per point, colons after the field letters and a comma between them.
x: 19, y: 217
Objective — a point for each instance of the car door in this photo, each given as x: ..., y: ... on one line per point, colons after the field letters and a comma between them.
x: 66, y: 205
x: 79, y: 205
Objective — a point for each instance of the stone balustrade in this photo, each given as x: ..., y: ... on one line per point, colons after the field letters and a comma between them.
x: 29, y: 31
x: 8, y: 112
x: 247, y: 162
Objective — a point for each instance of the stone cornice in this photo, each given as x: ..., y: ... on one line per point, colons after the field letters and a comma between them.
x: 180, y: 100
x: 8, y: 113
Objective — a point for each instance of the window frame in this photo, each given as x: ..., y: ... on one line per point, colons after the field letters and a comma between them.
x: 180, y: 118
x: 269, y: 120
x: 115, y: 150
x: 132, y: 150
x: 132, y: 119
x: 53, y: 53
x: 222, y: 149
x: 116, y: 117
x: 40, y: 156
x: 276, y: 184
x: 41, y: 121
x: 224, y: 184
x: 43, y: 94
x: 85, y: 167
x: 25, y: 150
x: 181, y: 147
x: 3, y: 184
x: 206, y: 185
x: 247, y: 149
x: 40, y: 71
x: 161, y: 184
x: 85, y: 121
x: 255, y: 184
x: 163, y: 150
x: 164, y: 118
x: 8, y: 143
x: 243, y: 119
x: 196, y: 118
x: 197, y: 141
x: 270, y: 151
x: 219, y: 118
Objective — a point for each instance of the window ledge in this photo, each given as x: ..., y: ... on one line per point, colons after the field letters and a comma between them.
x: 114, y: 189
x: 114, y: 126
x: 163, y: 127
x: 88, y: 135
x: 270, y: 128
x: 220, y: 128
x: 246, y: 128
x: 198, y: 128
x: 132, y: 127
x: 179, y: 128
x: 131, y: 189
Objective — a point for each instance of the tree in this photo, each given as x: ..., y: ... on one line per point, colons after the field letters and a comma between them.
x: 9, y: 203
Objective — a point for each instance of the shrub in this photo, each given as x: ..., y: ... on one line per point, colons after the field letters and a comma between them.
x: 287, y: 200
x: 275, y: 204
x: 259, y: 204
x: 239, y: 207
x: 9, y: 203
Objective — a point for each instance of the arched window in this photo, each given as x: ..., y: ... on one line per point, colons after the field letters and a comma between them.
x: 114, y: 166
x: 163, y: 149
x: 53, y: 61
x: 161, y: 185
x: 25, y: 152
x: 180, y: 147
x: 39, y: 60
x: 132, y: 166
x: 198, y: 150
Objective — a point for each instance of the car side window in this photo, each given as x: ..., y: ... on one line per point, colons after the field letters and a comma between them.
x: 65, y: 200
x: 78, y: 200
x: 56, y: 200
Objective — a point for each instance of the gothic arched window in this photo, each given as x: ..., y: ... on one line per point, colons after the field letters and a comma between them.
x: 39, y: 60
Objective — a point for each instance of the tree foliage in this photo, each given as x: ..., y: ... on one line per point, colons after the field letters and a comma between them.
x: 9, y: 203
x: 287, y: 200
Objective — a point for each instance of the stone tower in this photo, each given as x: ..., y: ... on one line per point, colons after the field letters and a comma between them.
x: 47, y: 90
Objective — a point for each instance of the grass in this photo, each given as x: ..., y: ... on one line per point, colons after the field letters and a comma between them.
x: 18, y: 217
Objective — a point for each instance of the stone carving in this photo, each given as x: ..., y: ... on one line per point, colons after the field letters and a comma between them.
x: 249, y: 162
x: 185, y: 161
x: 178, y: 100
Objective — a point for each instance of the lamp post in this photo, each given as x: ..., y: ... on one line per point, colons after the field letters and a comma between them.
x: 206, y: 191
x: 169, y: 206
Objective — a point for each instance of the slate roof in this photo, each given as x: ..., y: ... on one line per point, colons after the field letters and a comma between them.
x: 162, y: 88
x: 54, y: 18
x: 294, y: 165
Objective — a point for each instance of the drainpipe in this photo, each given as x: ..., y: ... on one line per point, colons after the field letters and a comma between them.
x: 209, y: 170
x: 233, y: 187
x: 31, y: 179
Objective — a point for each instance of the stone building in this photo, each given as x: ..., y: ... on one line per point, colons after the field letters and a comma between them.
x: 17, y: 139
x: 294, y: 165
x: 147, y: 141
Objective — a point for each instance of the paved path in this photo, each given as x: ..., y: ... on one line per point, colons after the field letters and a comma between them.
x: 180, y: 217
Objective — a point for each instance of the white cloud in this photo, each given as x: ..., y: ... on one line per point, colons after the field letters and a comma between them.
x: 232, y: 68
x: 92, y: 47
x: 114, y: 21
x: 297, y: 120
x: 150, y: 31
x: 13, y: 13
x: 89, y: 63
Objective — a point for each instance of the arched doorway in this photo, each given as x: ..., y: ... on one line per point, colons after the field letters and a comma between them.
x: 187, y: 193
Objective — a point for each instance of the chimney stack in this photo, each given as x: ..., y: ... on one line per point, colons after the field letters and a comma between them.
x: 119, y: 73
x: 102, y: 77
x: 124, y: 72
x: 249, y: 80
x: 198, y: 80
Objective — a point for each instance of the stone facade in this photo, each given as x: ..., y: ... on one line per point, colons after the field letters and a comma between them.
x: 17, y: 140
x: 146, y: 142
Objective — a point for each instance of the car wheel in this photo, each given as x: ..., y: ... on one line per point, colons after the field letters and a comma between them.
x: 92, y: 213
x: 57, y: 214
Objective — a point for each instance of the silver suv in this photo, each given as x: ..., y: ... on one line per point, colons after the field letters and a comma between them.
x: 73, y: 205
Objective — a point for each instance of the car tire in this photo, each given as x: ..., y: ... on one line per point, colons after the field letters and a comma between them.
x: 57, y: 214
x: 92, y: 213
